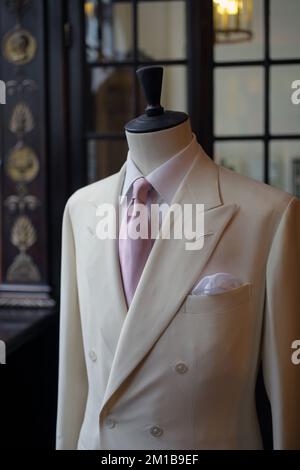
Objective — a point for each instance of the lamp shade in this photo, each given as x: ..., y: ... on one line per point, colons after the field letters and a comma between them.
x: 233, y: 20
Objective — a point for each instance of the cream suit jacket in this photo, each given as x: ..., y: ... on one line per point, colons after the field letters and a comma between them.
x: 178, y: 371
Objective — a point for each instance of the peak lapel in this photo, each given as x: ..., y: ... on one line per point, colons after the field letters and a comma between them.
x: 169, y: 274
x: 103, y: 272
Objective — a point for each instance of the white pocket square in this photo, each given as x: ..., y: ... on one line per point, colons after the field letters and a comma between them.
x: 216, y: 284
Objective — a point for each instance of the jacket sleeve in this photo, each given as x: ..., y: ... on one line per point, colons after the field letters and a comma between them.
x: 72, y: 386
x: 282, y: 328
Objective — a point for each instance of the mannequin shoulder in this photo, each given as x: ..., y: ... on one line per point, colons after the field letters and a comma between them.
x: 252, y: 193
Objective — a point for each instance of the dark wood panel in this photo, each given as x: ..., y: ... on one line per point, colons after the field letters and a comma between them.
x: 200, y: 70
x: 59, y: 164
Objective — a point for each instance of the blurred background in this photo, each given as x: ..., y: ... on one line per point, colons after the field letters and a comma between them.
x: 69, y: 70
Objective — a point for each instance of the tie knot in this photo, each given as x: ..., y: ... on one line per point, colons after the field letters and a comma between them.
x: 141, y: 189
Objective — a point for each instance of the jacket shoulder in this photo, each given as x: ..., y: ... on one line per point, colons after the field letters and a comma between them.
x: 87, y: 193
x: 251, y: 192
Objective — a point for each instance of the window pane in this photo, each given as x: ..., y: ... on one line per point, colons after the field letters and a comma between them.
x: 111, y: 103
x: 161, y: 30
x: 285, y: 116
x: 174, y: 89
x: 250, y: 50
x: 243, y: 157
x: 108, y: 30
x: 105, y: 157
x: 238, y: 101
x: 285, y: 30
x: 285, y: 165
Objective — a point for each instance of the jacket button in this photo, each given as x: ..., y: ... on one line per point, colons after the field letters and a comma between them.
x: 93, y: 355
x: 156, y: 431
x: 110, y: 423
x: 181, y: 368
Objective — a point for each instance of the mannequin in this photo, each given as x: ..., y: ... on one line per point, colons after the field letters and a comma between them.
x: 185, y: 328
x: 156, y: 136
x: 151, y: 149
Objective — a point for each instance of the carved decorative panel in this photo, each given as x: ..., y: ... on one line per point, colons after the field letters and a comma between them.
x: 23, y: 229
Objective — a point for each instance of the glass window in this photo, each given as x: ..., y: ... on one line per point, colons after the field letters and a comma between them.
x: 111, y: 99
x: 105, y: 157
x: 238, y: 101
x: 256, y: 98
x: 285, y: 115
x: 120, y: 37
x: 285, y: 29
x: 249, y: 50
x: 174, y: 90
x: 243, y: 157
x: 108, y: 30
x: 285, y: 165
x: 168, y: 38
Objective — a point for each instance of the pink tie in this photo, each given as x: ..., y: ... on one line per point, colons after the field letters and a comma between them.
x: 133, y: 253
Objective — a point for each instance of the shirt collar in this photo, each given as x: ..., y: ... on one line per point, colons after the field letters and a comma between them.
x: 166, y: 178
x: 132, y: 174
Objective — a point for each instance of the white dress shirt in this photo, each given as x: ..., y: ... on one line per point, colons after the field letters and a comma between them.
x: 165, y: 179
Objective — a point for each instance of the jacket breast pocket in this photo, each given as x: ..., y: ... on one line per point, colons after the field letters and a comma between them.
x: 229, y: 300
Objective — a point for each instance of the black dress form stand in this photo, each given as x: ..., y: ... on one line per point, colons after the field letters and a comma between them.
x: 155, y: 117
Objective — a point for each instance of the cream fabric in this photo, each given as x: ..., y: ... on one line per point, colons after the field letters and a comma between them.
x: 178, y: 371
